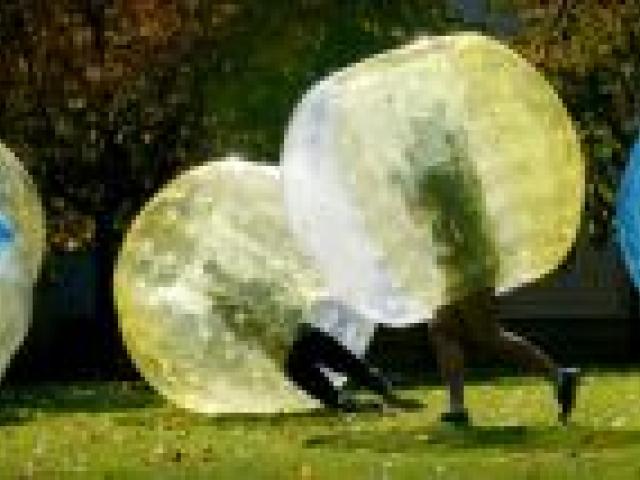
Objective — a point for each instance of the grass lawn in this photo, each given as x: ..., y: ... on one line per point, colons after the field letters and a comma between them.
x: 119, y: 430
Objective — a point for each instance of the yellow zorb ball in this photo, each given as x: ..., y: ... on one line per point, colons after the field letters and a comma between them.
x: 450, y: 162
x: 210, y: 290
x: 22, y: 236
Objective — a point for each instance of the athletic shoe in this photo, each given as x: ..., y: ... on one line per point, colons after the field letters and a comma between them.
x: 456, y: 419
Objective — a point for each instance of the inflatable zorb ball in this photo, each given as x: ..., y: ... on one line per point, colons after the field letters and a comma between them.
x: 450, y: 163
x: 211, y: 288
x: 628, y: 215
x: 21, y: 248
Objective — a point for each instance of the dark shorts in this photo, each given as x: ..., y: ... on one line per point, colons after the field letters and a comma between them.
x: 471, y: 319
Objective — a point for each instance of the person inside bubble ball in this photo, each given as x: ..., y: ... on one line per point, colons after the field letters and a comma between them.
x: 470, y: 262
x: 323, y: 353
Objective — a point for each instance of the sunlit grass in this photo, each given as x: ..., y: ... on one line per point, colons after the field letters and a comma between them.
x: 116, y: 430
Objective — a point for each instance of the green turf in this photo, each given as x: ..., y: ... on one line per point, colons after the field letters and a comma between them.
x: 125, y: 431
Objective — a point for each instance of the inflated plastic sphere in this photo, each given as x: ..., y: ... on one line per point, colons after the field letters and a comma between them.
x: 628, y: 215
x: 7, y: 232
x: 21, y: 249
x: 450, y: 163
x: 211, y: 288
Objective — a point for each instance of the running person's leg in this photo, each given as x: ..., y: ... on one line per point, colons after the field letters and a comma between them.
x: 445, y: 334
x: 481, y: 327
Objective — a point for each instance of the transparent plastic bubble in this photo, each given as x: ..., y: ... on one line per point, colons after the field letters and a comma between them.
x: 21, y: 249
x: 450, y: 164
x: 628, y: 215
x: 211, y: 288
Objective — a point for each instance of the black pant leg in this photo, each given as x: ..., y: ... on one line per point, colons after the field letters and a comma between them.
x: 303, y: 369
x: 330, y: 353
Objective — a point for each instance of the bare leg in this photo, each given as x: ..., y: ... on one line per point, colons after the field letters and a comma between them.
x: 470, y: 320
x: 480, y: 327
x: 445, y: 337
x: 523, y: 352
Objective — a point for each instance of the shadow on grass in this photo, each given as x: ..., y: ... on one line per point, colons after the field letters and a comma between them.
x: 138, y: 404
x: 257, y: 420
x: 509, y: 438
x: 20, y: 404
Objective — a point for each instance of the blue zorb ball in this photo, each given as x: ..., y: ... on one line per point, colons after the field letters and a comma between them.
x: 628, y: 215
x: 7, y: 233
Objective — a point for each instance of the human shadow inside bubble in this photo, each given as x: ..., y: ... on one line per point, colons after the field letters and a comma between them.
x: 509, y: 438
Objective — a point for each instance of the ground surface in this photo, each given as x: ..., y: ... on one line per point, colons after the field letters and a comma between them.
x: 125, y: 431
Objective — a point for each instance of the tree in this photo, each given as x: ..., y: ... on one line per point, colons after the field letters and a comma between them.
x: 99, y: 104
